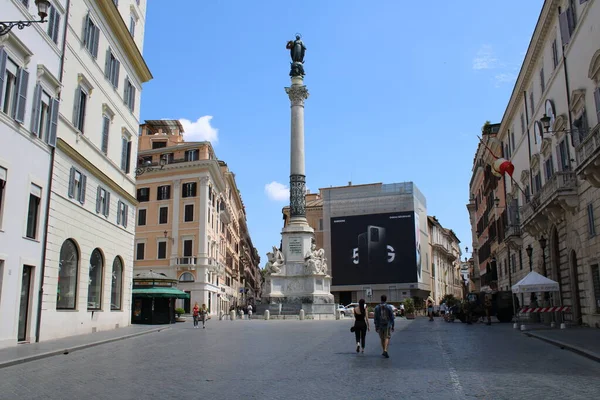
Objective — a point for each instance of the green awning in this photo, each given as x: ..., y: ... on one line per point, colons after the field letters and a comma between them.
x: 163, y: 292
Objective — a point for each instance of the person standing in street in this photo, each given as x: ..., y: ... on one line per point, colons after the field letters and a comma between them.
x: 430, y: 308
x: 203, y: 315
x: 361, y: 325
x: 488, y: 309
x: 195, y: 314
x: 384, y: 324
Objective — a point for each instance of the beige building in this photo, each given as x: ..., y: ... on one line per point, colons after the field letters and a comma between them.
x: 550, y: 131
x: 445, y: 261
x: 191, y: 221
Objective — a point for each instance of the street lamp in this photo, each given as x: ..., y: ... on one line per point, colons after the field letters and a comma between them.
x: 42, y: 6
x: 546, y: 120
x: 147, y: 166
x: 543, y: 243
x: 529, y: 251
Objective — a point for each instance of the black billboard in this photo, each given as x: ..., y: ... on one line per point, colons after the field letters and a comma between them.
x: 375, y: 249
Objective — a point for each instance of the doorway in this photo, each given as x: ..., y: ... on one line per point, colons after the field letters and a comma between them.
x: 577, y: 318
x: 187, y: 302
x: 24, y: 302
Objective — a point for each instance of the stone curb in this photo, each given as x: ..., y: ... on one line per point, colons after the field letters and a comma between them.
x: 4, y: 364
x: 575, y: 349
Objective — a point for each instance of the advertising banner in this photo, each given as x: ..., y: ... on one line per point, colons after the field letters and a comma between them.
x: 375, y: 249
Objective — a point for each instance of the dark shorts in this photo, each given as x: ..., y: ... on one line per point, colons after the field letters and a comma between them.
x: 385, y: 332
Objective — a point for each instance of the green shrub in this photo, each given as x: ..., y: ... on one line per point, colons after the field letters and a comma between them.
x: 179, y: 311
x: 409, y: 306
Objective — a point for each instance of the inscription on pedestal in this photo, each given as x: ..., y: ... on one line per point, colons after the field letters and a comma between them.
x: 295, y: 246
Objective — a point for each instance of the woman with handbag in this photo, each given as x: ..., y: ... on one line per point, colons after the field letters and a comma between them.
x: 361, y: 325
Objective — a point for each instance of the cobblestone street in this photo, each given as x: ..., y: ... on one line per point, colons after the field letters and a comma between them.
x: 310, y: 360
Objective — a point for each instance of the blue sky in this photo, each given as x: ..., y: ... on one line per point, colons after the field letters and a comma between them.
x: 399, y: 91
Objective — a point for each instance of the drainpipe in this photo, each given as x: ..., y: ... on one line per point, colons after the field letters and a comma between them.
x: 38, y: 321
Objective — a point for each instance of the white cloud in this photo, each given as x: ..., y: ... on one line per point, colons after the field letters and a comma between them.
x: 503, y: 78
x: 485, y: 58
x: 199, y: 131
x: 277, y: 191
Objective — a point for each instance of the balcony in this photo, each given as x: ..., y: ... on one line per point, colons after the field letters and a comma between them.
x: 588, y: 158
x: 549, y: 205
x: 192, y: 261
x: 512, y: 236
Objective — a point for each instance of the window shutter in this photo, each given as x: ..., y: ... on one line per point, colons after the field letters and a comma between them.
x: 597, y: 99
x: 22, y: 95
x: 125, y: 215
x: 116, y: 74
x: 76, y: 110
x: 119, y: 212
x: 82, y: 188
x: 128, y: 158
x: 96, y: 40
x: 86, y: 27
x: 132, y: 100
x: 72, y: 183
x: 123, y: 154
x: 105, y: 125
x: 35, y: 120
x: 106, y: 210
x: 53, y: 123
x: 565, y: 34
x: 56, y: 26
x: 2, y: 68
x: 51, y: 14
x: 125, y: 90
x: 98, y: 199
x: 168, y: 192
x: 107, y: 73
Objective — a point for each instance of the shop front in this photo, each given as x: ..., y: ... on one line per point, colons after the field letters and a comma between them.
x: 154, y: 298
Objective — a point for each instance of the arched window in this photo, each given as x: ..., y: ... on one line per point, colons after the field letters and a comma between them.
x: 95, y: 281
x: 66, y: 290
x: 116, y: 291
x: 186, y: 277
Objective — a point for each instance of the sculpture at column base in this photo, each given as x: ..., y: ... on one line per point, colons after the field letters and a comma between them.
x: 275, y: 261
x: 315, y: 262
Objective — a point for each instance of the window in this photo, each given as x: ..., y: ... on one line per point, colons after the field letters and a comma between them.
x: 563, y: 156
x: 44, y: 116
x: 186, y: 277
x: 95, y: 281
x: 554, y: 53
x: 320, y: 224
x: 192, y: 155
x: 53, y: 23
x: 162, y: 250
x: 91, y: 36
x: 111, y: 68
x: 81, y: 96
x: 163, y: 215
x: 102, y: 201
x: 597, y: 100
x: 596, y: 284
x: 66, y: 290
x: 122, y: 211
x: 163, y: 192
x: 512, y: 140
x: 159, y: 145
x: 566, y: 21
x: 143, y: 194
x: 520, y: 259
x: 142, y: 217
x: 537, y: 180
x: 129, y: 95
x: 3, y: 176
x: 523, y: 124
x: 105, y: 128
x: 33, y: 211
x: 549, y: 168
x: 513, y: 261
x: 13, y: 82
x: 140, y: 249
x: 77, y: 184
x: 188, y: 215
x: 531, y: 101
x: 117, y: 284
x: 126, y: 155
x: 591, y: 221
x: 542, y: 80
x: 188, y: 189
x: 188, y: 247
x: 132, y: 26
x: 169, y: 157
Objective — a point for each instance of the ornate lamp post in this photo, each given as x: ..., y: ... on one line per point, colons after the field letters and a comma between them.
x: 543, y: 243
x: 42, y: 5
x: 529, y: 251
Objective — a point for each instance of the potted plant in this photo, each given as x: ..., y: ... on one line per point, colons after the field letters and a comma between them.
x: 409, y: 308
x: 178, y: 314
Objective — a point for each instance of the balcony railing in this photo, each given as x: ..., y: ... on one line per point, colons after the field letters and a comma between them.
x: 561, y: 183
x: 588, y: 147
x: 512, y: 230
x: 187, y: 261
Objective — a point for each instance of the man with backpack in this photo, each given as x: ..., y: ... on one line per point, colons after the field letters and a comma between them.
x: 384, y: 323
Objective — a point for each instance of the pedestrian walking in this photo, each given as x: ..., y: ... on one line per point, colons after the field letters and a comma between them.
x: 249, y: 311
x: 430, y: 308
x: 488, y: 309
x: 195, y: 314
x: 361, y: 325
x: 203, y: 315
x: 384, y: 324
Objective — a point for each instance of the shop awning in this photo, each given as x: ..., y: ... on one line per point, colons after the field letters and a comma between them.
x: 161, y: 292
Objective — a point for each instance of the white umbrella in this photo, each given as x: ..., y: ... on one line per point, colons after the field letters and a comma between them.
x: 534, y: 283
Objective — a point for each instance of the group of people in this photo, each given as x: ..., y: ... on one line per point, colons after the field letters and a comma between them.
x: 384, y: 324
x: 199, y: 314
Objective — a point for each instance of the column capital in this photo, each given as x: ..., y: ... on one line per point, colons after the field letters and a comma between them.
x: 297, y: 94
x: 204, y: 180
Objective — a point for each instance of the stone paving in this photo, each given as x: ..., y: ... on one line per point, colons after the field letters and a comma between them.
x: 310, y: 360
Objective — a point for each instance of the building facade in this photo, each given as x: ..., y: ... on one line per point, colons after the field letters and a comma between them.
x: 89, y: 256
x: 445, y: 256
x: 550, y: 132
x: 191, y: 221
x: 30, y: 71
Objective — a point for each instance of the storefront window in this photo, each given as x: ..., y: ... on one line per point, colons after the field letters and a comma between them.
x: 95, y: 281
x: 116, y: 291
x: 66, y: 292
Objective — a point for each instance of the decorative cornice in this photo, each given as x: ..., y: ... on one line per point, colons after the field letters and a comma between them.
x: 78, y: 158
x: 119, y: 29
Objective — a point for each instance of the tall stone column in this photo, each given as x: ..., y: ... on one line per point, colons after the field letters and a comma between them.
x: 297, y: 93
